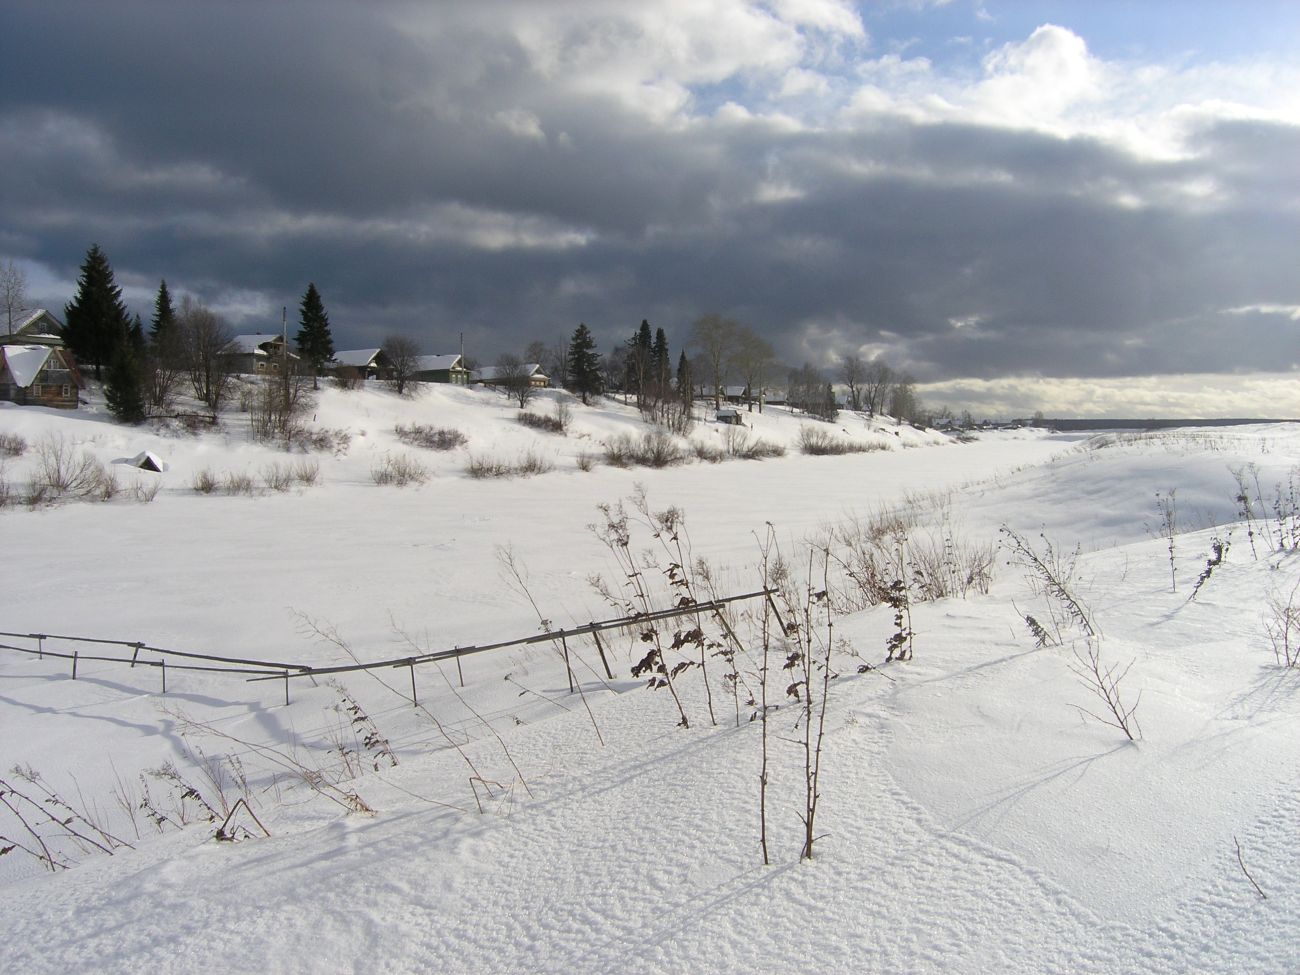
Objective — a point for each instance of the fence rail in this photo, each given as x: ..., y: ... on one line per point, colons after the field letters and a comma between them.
x: 253, y: 670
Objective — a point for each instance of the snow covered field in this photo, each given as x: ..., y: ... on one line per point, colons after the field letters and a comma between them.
x: 973, y: 816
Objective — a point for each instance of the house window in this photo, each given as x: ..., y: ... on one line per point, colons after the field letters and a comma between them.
x: 65, y: 391
x: 36, y: 389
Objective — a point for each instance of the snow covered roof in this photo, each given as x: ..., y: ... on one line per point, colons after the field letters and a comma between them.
x: 356, y: 357
x: 490, y: 374
x: 429, y: 363
x: 146, y: 460
x: 252, y: 343
x: 40, y: 322
x: 25, y: 361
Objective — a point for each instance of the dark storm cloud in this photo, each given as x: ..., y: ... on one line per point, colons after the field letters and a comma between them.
x: 440, y: 180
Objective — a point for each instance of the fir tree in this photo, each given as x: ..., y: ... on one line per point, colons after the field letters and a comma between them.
x: 661, y: 364
x: 684, y: 378
x: 164, y: 317
x: 315, y: 344
x: 124, y: 383
x: 96, y: 321
x: 584, y: 364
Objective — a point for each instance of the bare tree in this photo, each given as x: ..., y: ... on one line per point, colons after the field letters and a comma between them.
x: 13, y: 292
x: 752, y: 358
x: 715, y: 338
x: 514, y: 379
x: 403, y: 362
x: 854, y: 372
x: 904, y: 404
x: 205, y: 341
x: 876, y: 380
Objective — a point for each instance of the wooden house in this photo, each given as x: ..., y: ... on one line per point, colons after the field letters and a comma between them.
x: 38, y: 375
x: 441, y: 369
x: 258, y: 354
x: 492, y: 375
x: 361, y: 363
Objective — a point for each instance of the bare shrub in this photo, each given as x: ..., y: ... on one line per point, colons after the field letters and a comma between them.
x: 707, y: 452
x: 815, y: 442
x: 742, y: 446
x: 399, y: 471
x: 277, y: 477
x: 539, y: 421
x: 585, y: 461
x: 63, y: 470
x: 204, y: 481
x: 144, y: 491
x: 654, y: 448
x: 12, y: 445
x: 1282, y: 624
x: 563, y: 414
x: 531, y: 462
x: 239, y: 483
x: 1103, y: 680
x: 108, y: 487
x: 278, y: 404
x: 334, y: 441
x: 528, y: 463
x: 430, y: 437
x: 306, y: 472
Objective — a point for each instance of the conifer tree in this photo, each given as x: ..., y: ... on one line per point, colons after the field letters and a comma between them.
x: 315, y: 344
x: 684, y: 379
x: 124, y: 383
x: 584, y: 364
x: 164, y: 317
x: 96, y: 320
x: 661, y: 365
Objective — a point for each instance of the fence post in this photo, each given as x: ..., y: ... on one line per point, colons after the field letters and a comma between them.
x: 286, y: 688
x: 411, y: 663
x: 135, y: 654
x: 40, y: 646
x: 164, y: 674
x: 74, y: 664
x: 601, y: 649
x: 569, y: 670
x: 459, y: 673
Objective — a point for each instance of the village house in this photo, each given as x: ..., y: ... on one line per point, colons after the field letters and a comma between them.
x: 360, y: 364
x: 35, y: 368
x: 492, y: 375
x: 258, y: 354
x: 441, y: 369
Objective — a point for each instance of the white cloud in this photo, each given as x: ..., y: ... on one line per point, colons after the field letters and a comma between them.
x: 1262, y: 395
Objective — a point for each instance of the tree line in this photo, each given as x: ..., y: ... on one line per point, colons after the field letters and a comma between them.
x: 186, y: 344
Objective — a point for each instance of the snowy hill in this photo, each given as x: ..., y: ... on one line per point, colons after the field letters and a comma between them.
x: 978, y: 808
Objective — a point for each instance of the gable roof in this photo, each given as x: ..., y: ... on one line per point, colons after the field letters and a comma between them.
x: 490, y: 374
x: 40, y: 322
x: 432, y: 363
x: 251, y: 343
x: 25, y: 361
x: 357, y: 357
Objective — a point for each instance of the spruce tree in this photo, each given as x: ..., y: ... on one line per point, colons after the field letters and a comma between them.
x: 584, y: 364
x: 164, y: 317
x: 684, y: 380
x: 315, y: 344
x: 124, y: 383
x: 661, y: 364
x: 96, y: 320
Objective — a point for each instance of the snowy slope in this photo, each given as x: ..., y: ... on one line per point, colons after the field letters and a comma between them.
x: 973, y: 816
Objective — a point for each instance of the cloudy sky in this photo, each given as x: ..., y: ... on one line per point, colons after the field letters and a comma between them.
x: 1087, y: 207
